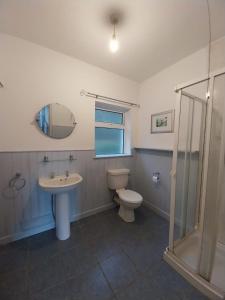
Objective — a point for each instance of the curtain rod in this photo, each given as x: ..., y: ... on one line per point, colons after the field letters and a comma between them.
x: 100, y: 97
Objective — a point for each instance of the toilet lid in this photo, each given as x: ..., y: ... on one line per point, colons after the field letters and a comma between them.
x: 130, y: 196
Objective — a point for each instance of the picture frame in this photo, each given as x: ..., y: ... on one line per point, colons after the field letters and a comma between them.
x: 162, y: 122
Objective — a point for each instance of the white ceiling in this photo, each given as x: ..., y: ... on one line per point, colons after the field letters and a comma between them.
x: 153, y: 34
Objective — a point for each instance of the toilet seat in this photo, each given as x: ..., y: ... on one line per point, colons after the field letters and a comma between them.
x: 129, y: 196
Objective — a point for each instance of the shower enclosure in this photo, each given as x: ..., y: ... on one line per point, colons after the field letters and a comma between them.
x: 197, y: 213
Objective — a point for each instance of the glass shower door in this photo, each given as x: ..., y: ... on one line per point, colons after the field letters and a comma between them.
x: 189, y: 168
x: 197, y: 212
x: 189, y: 165
x: 212, y: 259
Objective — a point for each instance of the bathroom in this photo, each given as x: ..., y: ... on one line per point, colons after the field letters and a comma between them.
x: 124, y: 200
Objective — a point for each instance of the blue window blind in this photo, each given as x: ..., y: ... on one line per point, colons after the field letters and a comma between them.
x: 109, y: 141
x: 108, y: 116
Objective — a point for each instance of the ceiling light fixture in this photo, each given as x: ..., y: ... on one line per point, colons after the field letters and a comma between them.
x: 114, y: 43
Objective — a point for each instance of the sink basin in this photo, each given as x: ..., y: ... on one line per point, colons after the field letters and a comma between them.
x: 60, y: 184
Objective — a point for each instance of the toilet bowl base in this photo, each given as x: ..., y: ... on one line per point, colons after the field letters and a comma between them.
x: 126, y: 213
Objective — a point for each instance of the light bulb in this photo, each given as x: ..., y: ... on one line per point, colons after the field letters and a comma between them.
x: 114, y: 44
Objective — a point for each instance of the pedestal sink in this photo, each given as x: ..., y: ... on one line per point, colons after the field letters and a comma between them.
x: 60, y: 186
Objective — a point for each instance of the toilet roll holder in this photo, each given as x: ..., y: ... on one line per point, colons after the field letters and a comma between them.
x: 155, y: 177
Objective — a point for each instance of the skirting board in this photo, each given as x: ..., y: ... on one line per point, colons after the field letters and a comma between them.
x: 20, y: 235
x: 197, y: 281
x: 157, y: 210
x: 160, y: 212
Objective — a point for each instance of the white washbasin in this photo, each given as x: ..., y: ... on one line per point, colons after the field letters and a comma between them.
x: 59, y: 184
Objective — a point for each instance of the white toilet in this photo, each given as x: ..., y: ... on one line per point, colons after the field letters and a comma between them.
x: 127, y: 199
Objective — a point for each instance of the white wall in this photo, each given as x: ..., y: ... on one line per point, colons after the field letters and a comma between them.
x: 34, y: 76
x: 157, y: 93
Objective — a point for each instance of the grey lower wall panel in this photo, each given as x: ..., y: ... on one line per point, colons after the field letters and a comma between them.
x: 29, y: 211
x: 156, y: 196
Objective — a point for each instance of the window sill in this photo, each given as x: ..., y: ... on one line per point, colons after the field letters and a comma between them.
x: 112, y: 156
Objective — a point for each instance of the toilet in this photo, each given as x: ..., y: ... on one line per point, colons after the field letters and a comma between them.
x: 128, y: 200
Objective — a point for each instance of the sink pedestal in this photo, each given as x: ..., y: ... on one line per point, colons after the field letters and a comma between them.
x: 62, y: 216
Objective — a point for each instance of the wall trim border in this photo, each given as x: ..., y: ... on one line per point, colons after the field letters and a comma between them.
x: 154, y: 149
x: 157, y: 210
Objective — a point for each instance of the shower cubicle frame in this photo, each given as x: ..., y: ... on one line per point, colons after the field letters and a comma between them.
x: 186, y: 271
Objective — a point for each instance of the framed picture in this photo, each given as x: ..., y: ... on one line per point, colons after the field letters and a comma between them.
x: 162, y: 122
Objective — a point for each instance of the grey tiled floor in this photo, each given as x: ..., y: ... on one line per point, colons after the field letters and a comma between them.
x: 105, y: 259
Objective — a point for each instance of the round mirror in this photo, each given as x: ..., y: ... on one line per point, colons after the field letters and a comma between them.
x: 56, y: 121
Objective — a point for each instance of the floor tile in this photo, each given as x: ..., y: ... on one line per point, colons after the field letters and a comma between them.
x: 90, y: 286
x: 96, y: 229
x: 172, y: 284
x: 78, y: 260
x: 20, y: 244
x: 141, y: 289
x: 104, y: 259
x: 14, y: 285
x: 105, y: 247
x: 41, y: 247
x: 143, y: 253
x: 119, y: 271
x: 46, y: 275
x: 59, y: 292
x: 13, y: 259
x: 12, y: 296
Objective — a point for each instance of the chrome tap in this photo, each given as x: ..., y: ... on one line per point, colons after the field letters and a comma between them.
x: 67, y: 173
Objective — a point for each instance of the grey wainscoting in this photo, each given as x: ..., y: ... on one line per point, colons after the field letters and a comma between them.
x: 156, y: 196
x: 28, y: 211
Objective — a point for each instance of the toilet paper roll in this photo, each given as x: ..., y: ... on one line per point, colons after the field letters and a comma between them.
x: 155, y: 179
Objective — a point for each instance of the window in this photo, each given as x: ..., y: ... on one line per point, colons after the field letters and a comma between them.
x: 108, y: 116
x: 109, y: 132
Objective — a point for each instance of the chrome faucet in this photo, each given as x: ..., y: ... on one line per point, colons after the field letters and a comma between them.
x: 67, y: 173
